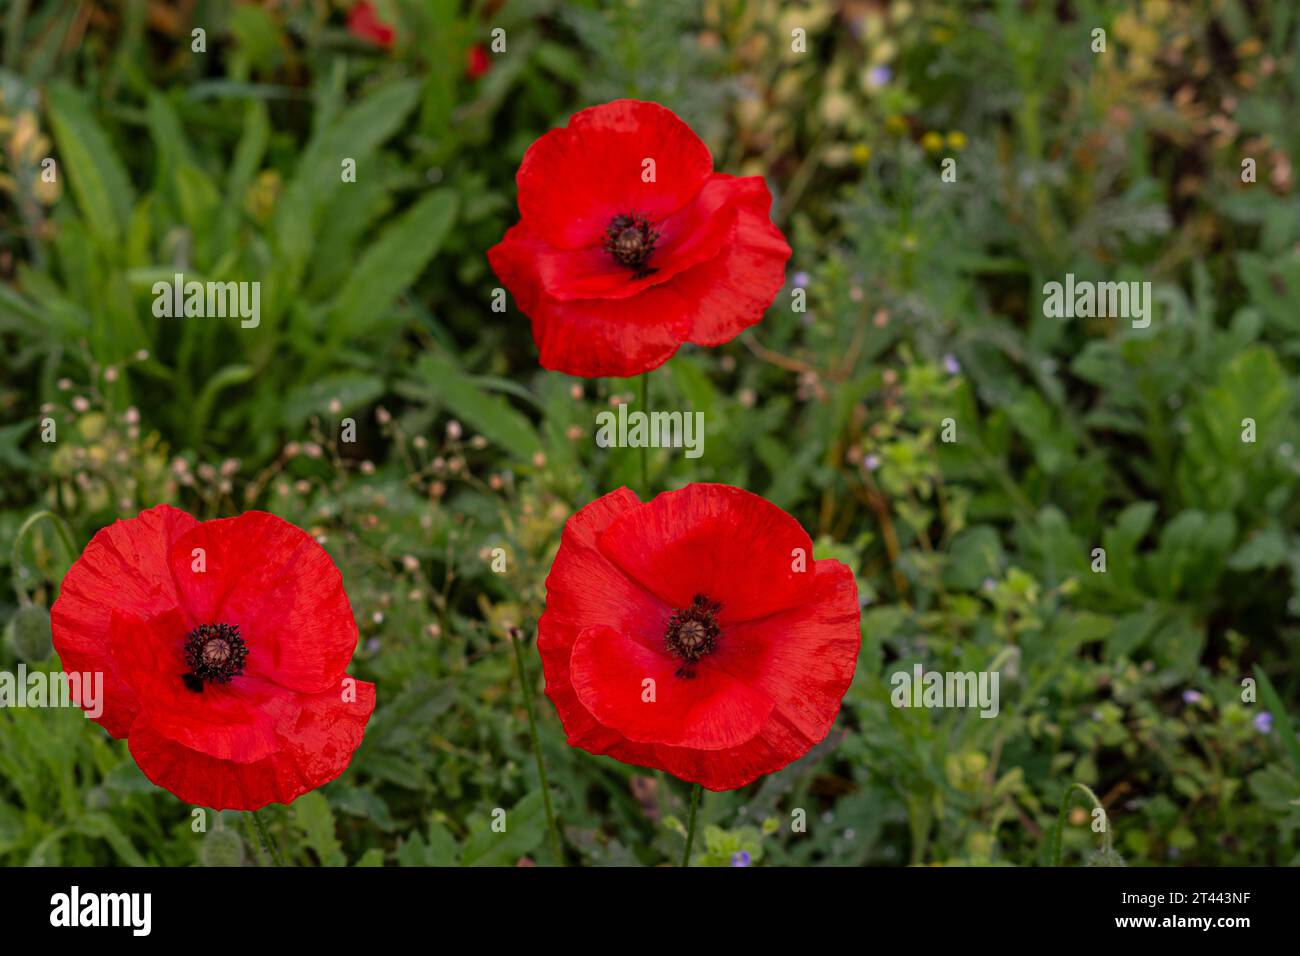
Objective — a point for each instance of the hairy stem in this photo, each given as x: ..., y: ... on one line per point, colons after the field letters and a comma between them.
x: 1060, y: 820
x: 696, y: 792
x: 516, y: 638
x: 265, y: 836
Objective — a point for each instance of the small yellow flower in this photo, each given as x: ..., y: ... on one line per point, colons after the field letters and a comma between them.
x: 896, y: 124
x: 932, y: 141
x: 260, y: 199
x: 957, y: 140
x: 862, y: 154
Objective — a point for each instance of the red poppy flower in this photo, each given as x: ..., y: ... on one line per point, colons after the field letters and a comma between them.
x: 223, y: 646
x: 616, y: 272
x: 478, y: 62
x: 694, y: 633
x: 364, y: 24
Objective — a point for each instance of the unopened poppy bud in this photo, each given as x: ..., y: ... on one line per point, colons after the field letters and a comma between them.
x: 222, y: 848
x: 29, y: 633
x: 1106, y: 857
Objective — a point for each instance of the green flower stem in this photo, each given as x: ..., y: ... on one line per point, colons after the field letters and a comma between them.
x: 696, y: 792
x: 60, y: 528
x: 516, y: 638
x: 251, y: 835
x: 1060, y: 820
x: 265, y: 836
x: 645, y: 452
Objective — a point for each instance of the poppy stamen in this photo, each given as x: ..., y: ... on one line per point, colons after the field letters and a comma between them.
x: 693, y: 633
x: 214, y: 653
x: 630, y: 240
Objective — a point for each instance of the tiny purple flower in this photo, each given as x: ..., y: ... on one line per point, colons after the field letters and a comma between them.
x: 871, y: 462
x: 740, y: 858
x: 1191, y: 696
x: 801, y: 280
x: 1264, y: 722
x: 951, y: 365
x: 879, y: 76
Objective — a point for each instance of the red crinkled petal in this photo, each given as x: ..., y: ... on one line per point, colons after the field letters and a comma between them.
x: 316, y: 743
x: 590, y: 337
x: 125, y: 567
x: 719, y: 263
x: 620, y: 338
x: 729, y: 544
x: 602, y: 633
x: 514, y: 260
x: 733, y: 290
x: 282, y: 589
x: 583, y: 590
x: 693, y: 235
x: 710, y: 711
x: 574, y: 180
x: 776, y: 746
x: 235, y: 721
x: 803, y: 657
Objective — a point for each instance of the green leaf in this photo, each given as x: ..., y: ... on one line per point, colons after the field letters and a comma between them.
x: 975, y: 554
x: 98, y: 180
x: 314, y: 818
x: 1262, y: 552
x: 229, y: 376
x: 391, y: 264
x: 1049, y: 438
x: 1281, y: 719
x: 101, y: 826
x: 525, y: 825
x: 351, y: 390
x: 490, y: 414
x: 354, y: 135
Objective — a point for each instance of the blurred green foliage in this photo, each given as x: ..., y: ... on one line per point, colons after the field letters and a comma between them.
x: 924, y: 306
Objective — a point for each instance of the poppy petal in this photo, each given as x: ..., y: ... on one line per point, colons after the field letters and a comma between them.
x: 733, y: 291
x: 573, y: 181
x: 805, y: 655
x: 693, y: 235
x: 590, y: 337
x: 316, y: 745
x: 642, y: 694
x: 584, y: 589
x: 234, y: 721
x: 725, y: 543
x: 280, y: 587
x: 124, y: 566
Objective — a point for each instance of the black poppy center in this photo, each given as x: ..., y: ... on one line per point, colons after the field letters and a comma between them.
x: 214, y: 654
x: 630, y: 240
x: 693, y: 633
